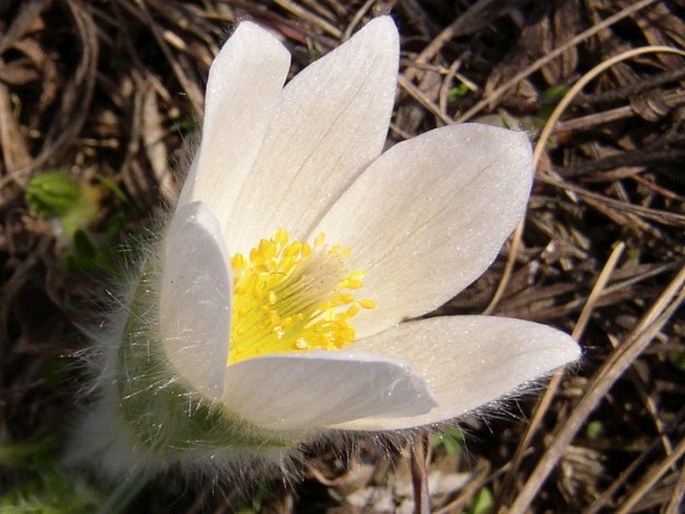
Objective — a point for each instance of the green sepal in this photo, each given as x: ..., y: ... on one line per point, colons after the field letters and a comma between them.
x: 451, y: 438
x: 163, y: 412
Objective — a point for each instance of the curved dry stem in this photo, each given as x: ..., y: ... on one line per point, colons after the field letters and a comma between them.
x: 651, y: 478
x: 584, y: 80
x: 618, y: 362
x: 544, y: 136
x: 508, y: 268
x: 544, y: 403
x: 497, y: 93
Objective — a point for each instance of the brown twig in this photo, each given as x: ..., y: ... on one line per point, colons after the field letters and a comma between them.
x: 633, y: 345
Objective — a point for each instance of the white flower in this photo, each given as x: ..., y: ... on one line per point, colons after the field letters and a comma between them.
x: 421, y: 221
x: 285, y: 298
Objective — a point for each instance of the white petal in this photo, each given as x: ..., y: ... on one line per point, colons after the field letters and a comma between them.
x: 315, y: 389
x: 468, y: 361
x: 331, y: 122
x: 429, y: 216
x: 195, y: 299
x: 245, y: 83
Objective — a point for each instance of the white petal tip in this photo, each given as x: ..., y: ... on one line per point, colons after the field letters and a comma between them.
x: 551, y: 349
x: 468, y: 362
x: 379, y: 31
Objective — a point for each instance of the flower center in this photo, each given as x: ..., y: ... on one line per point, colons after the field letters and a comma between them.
x: 291, y: 296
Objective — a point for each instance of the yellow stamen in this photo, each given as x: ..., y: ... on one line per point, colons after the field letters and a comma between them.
x: 291, y: 296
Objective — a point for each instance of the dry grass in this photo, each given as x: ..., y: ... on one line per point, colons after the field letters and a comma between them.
x: 113, y: 88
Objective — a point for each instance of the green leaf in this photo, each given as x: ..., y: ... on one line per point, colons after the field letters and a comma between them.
x: 557, y: 91
x: 112, y: 186
x: 83, y: 246
x: 595, y: 429
x: 457, y: 92
x: 50, y: 493
x: 482, y: 503
x: 450, y: 438
x: 76, y: 206
x: 52, y: 194
x: 39, y: 488
x: 114, y: 227
x: 56, y: 195
x: 25, y: 455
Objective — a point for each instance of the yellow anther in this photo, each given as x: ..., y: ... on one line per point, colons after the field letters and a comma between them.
x: 352, y: 283
x: 292, y: 296
x: 292, y: 249
x: 345, y: 298
x: 351, y: 312
x: 281, y: 236
x: 367, y: 303
x: 238, y: 261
